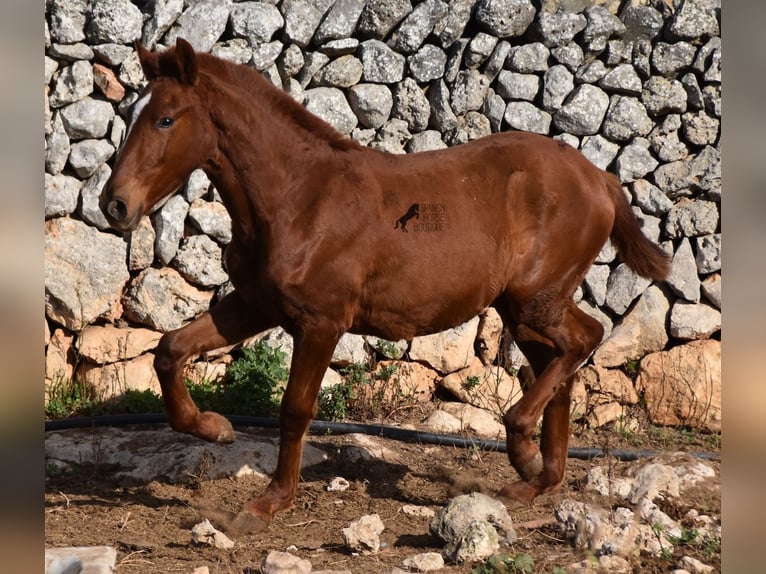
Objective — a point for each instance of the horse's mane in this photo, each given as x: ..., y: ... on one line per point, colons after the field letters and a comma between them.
x: 254, y: 87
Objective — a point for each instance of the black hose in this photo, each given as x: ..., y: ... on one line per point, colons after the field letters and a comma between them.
x: 385, y: 431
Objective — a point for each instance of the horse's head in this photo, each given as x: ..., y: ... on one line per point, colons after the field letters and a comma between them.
x: 169, y: 135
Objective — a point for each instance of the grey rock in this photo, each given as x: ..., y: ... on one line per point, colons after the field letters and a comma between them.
x: 85, y: 271
x: 691, y: 218
x: 425, y: 141
x: 635, y: 160
x: 650, y: 225
x: 86, y: 156
x: 469, y: 91
x: 618, y: 52
x: 665, y: 140
x: 425, y: 562
x: 87, y: 118
x: 693, y: 91
x: 283, y: 563
x: 625, y: 119
x: 313, y: 62
x: 699, y: 171
x: 504, y: 18
x: 198, y: 260
x: 302, y: 19
x: 473, y: 125
x: 131, y: 75
x: 51, y: 66
x: 663, y: 96
x: 91, y: 191
x: 290, y: 61
x: 92, y: 559
x: 711, y: 289
x: 372, y: 104
x: 380, y: 63
x: 569, y: 139
x: 411, y: 105
x: 699, y: 128
x: 351, y: 349
x: 494, y: 109
x: 595, y: 282
x: 650, y: 199
x: 342, y: 72
x: 392, y: 137
x: 61, y: 193
x: 379, y: 17
x: 73, y: 83
x: 141, y: 245
x: 114, y: 21
x: 442, y: 116
x: 340, y: 21
x: 236, y: 50
x: 264, y: 57
x: 71, y: 52
x: 642, y: 22
x: 607, y: 254
x: 168, y: 223
x: 197, y: 185
x: 591, y: 72
x: 708, y: 60
x: 451, y: 522
x: 57, y: 146
x: 67, y: 21
x: 708, y: 256
x: 642, y: 52
x: 340, y: 47
x: 623, y: 79
x: 427, y: 64
x: 112, y: 54
x: 683, y: 278
x: 201, y: 25
x: 623, y: 287
x: 455, y: 60
x: 558, y: 83
x: 639, y: 332
x: 525, y: 116
x: 496, y: 60
x: 211, y: 218
x: 602, y: 25
x: 162, y: 15
x: 515, y: 86
x: 599, y: 150
x: 479, y: 49
x: 583, y: 112
x: 695, y: 19
x: 418, y: 24
x: 711, y: 95
x: 271, y: 72
x: 162, y: 300
x: 529, y: 58
x: 331, y: 105
x: 692, y: 321
x: 452, y: 25
x: 362, y: 535
x: 570, y: 55
x: 671, y: 59
x: 255, y: 21
x: 560, y: 28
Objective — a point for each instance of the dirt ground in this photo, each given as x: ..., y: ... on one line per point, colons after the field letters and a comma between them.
x: 150, y: 524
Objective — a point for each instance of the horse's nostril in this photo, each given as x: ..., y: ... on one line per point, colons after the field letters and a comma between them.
x: 117, y: 210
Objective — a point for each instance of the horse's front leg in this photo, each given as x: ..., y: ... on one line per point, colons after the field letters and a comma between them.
x: 311, y: 357
x: 229, y: 321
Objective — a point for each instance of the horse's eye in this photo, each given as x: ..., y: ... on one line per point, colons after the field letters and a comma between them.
x: 165, y: 122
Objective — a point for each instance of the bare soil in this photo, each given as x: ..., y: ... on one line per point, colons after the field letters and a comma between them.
x: 150, y: 524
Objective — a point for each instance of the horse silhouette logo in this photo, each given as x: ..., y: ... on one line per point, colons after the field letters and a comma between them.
x: 413, y: 211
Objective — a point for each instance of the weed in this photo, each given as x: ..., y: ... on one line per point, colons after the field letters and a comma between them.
x: 506, y: 564
x: 67, y: 397
x: 471, y: 382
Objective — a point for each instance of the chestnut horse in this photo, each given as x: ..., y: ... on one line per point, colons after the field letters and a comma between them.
x: 513, y: 220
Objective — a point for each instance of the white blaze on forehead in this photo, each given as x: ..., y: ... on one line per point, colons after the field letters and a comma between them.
x: 138, y: 107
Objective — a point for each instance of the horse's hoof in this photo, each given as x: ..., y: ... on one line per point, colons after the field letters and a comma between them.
x: 214, y: 428
x: 520, y: 491
x: 247, y: 523
x: 530, y: 469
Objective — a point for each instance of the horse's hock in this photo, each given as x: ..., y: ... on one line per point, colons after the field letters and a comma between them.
x: 637, y: 90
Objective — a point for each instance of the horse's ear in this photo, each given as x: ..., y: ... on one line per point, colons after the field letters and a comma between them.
x: 150, y: 63
x: 186, y: 59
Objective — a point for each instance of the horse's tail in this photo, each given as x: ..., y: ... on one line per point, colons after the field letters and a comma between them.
x: 635, y: 249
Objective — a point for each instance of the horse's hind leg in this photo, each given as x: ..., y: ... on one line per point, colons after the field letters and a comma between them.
x: 227, y: 322
x: 555, y: 351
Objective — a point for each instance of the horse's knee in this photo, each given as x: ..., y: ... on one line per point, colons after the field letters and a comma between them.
x: 519, y: 422
x: 168, y: 354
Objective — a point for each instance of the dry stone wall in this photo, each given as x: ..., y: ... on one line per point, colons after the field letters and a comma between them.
x: 635, y: 85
